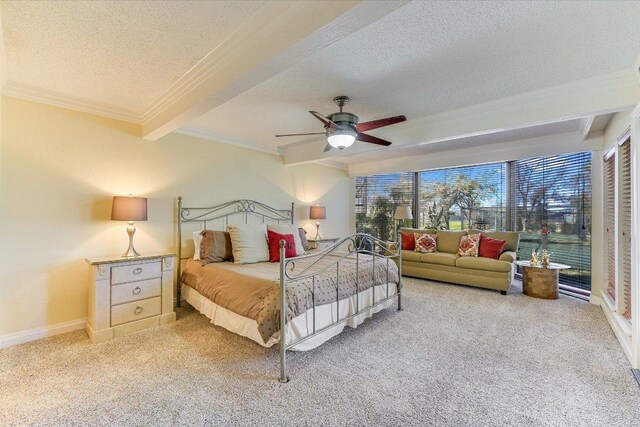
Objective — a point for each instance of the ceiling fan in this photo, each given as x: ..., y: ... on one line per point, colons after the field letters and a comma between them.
x: 342, y: 129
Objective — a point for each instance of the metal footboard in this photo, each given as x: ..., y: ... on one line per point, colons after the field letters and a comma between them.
x: 356, y: 245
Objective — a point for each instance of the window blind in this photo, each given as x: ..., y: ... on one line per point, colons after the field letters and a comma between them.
x: 377, y: 197
x: 551, y: 208
x: 464, y: 197
x: 625, y: 226
x: 610, y: 222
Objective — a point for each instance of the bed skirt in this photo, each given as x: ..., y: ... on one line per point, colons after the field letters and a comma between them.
x: 300, y: 326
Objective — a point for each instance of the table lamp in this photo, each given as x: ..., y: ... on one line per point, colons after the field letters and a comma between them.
x: 402, y: 212
x: 317, y: 213
x: 129, y: 209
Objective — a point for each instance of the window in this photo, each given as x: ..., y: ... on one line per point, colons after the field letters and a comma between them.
x: 551, y: 208
x: 461, y: 198
x: 546, y: 199
x: 377, y: 197
x: 625, y: 227
x: 610, y: 222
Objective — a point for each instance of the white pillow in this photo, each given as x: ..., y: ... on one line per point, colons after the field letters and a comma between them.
x: 289, y: 229
x: 249, y: 243
x: 197, y: 239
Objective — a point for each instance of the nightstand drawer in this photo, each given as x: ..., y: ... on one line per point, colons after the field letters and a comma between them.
x: 135, y: 291
x: 136, y: 310
x: 135, y: 272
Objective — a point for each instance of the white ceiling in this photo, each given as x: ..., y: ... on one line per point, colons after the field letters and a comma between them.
x: 122, y: 53
x: 418, y: 59
x: 429, y: 57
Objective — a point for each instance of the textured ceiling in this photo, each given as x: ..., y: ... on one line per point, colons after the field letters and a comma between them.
x: 429, y: 57
x: 123, y: 53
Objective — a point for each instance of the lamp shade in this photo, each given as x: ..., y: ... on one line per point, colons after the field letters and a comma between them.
x: 317, y: 212
x: 129, y: 208
x: 403, y: 212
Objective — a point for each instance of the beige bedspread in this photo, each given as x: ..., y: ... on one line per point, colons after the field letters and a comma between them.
x: 253, y: 290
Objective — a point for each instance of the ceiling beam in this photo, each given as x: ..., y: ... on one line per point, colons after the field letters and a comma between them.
x: 585, y: 126
x: 547, y: 145
x: 272, y: 40
x: 598, y: 95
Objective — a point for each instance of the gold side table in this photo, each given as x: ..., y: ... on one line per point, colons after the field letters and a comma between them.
x: 541, y: 282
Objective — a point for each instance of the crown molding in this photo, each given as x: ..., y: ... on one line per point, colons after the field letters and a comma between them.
x: 71, y: 102
x: 585, y: 126
x: 3, y: 56
x: 210, y: 135
x: 273, y: 39
x: 561, y: 143
x: 333, y: 164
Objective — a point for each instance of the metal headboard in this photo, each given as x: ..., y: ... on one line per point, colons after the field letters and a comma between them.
x: 242, y: 207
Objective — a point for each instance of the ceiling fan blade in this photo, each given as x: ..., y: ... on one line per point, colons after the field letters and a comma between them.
x: 328, y: 123
x: 375, y: 124
x: 327, y: 148
x: 372, y: 139
x: 302, y: 134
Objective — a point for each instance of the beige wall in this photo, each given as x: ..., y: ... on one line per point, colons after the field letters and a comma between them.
x: 59, y: 170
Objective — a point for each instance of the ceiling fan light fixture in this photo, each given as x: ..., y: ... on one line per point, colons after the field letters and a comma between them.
x: 342, y: 139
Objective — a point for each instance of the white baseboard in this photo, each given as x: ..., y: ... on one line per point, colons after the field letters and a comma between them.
x: 621, y: 327
x: 595, y: 300
x: 20, y: 337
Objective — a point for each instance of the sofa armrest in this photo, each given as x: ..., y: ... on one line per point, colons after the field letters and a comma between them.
x: 508, y: 256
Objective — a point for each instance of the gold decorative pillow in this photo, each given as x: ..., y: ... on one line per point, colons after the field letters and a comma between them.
x: 425, y: 243
x: 469, y: 245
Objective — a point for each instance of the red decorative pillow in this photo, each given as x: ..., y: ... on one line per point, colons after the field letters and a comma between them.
x: 274, y: 245
x: 425, y: 243
x: 491, y: 248
x: 408, y: 242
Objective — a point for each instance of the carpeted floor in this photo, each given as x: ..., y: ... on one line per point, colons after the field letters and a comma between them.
x: 455, y: 356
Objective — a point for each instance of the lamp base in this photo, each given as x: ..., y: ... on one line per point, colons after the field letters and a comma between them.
x: 131, y: 251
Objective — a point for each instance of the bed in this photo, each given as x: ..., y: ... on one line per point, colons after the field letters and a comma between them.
x: 324, y: 290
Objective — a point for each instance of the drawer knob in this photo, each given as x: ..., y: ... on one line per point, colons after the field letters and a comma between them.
x: 138, y: 310
x: 137, y: 290
x: 137, y: 270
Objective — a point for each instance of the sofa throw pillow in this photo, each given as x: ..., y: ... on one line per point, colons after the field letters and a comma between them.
x: 408, y: 242
x: 215, y: 246
x: 289, y: 229
x: 491, y: 248
x: 274, y: 245
x: 197, y: 240
x: 303, y: 239
x: 469, y: 245
x: 249, y: 243
x: 425, y: 243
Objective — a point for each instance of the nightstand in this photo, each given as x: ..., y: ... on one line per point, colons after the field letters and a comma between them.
x: 128, y: 295
x: 321, y: 243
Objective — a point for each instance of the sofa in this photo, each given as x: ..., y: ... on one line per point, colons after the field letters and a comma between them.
x: 446, y: 266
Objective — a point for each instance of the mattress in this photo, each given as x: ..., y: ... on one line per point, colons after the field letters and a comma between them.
x: 245, y: 298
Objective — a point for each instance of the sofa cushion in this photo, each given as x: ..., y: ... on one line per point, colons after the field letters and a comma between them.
x: 441, y: 258
x: 425, y: 242
x: 490, y: 248
x: 487, y: 264
x: 408, y: 241
x: 449, y: 241
x: 418, y: 230
x: 411, y: 256
x: 469, y: 245
x: 512, y: 238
